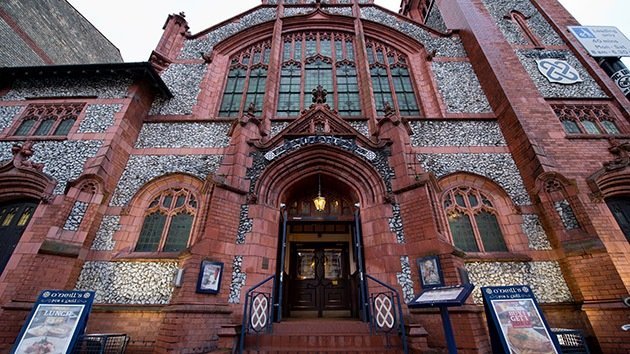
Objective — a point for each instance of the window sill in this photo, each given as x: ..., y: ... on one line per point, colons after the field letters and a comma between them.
x: 149, y: 256
x: 34, y: 138
x: 597, y: 136
x: 495, y: 256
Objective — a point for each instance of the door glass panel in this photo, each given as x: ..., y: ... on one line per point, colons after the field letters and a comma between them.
x: 332, y: 264
x: 306, y: 264
x: 9, y: 217
x: 26, y: 216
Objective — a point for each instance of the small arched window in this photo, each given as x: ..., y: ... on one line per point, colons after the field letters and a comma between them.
x: 472, y: 219
x: 168, y: 222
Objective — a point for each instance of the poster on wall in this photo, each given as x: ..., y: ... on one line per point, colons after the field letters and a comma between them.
x: 516, y: 323
x: 209, y: 280
x: 58, y: 318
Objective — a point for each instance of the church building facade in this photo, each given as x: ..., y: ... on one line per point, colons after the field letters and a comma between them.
x: 322, y: 153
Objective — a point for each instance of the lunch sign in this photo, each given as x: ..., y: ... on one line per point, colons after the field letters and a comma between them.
x: 58, y: 318
x: 515, y: 321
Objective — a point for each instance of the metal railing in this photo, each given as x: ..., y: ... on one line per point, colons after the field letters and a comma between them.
x: 386, y: 314
x: 257, y: 311
x: 110, y: 343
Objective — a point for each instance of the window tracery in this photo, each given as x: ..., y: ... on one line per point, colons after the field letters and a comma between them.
x: 246, y: 81
x: 168, y: 222
x: 472, y: 220
x: 318, y: 58
x: 391, y: 80
x: 48, y: 119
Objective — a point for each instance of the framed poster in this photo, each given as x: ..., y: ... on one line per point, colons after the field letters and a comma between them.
x: 210, y: 274
x: 430, y: 272
x: 516, y: 323
x: 58, y: 318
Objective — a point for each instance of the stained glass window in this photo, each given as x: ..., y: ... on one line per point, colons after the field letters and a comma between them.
x: 246, y: 80
x: 168, y: 222
x: 320, y: 58
x: 391, y: 80
x: 473, y: 224
x: 48, y: 119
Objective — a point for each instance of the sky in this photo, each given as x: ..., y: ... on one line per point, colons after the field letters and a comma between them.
x: 135, y: 26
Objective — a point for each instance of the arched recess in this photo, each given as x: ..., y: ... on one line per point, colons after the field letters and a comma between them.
x: 560, y: 202
x: 506, y: 212
x: 611, y: 184
x: 21, y: 178
x: 366, y: 183
x: 133, y: 215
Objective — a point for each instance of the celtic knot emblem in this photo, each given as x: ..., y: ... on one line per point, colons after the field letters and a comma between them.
x: 384, y: 311
x: 259, y: 312
x: 559, y: 71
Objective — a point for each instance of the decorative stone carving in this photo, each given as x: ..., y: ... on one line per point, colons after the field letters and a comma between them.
x: 621, y: 152
x: 586, y: 89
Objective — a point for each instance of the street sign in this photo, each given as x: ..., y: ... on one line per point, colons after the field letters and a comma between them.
x: 602, y: 41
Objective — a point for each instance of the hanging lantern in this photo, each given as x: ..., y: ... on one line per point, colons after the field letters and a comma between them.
x: 319, y: 201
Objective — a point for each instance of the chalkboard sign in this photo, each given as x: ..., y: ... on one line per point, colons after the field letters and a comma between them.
x: 516, y: 323
x: 57, y: 319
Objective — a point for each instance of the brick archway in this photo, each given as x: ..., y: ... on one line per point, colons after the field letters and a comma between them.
x: 355, y: 173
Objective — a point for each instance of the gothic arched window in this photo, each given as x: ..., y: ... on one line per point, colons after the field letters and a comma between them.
x: 48, y: 119
x: 314, y: 59
x: 246, y: 81
x: 391, y: 81
x: 168, y: 222
x: 472, y: 219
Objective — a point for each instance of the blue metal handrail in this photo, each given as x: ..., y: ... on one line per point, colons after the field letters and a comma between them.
x: 395, y: 298
x: 254, y: 310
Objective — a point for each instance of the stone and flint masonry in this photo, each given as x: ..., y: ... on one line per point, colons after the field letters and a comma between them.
x: 428, y: 132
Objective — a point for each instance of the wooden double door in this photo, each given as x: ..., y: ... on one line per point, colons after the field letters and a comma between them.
x: 14, y: 218
x: 319, y: 279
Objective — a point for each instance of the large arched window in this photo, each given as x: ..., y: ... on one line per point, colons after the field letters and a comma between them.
x: 472, y: 220
x: 391, y: 81
x: 168, y: 222
x: 246, y: 80
x: 312, y: 59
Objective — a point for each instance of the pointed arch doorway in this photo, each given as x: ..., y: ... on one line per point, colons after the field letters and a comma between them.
x: 320, y: 252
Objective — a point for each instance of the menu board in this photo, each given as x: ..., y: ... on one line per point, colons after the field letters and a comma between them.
x: 56, y: 321
x: 516, y: 323
x: 443, y: 296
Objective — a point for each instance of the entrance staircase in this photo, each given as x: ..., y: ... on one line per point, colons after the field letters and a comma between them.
x: 322, y: 336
